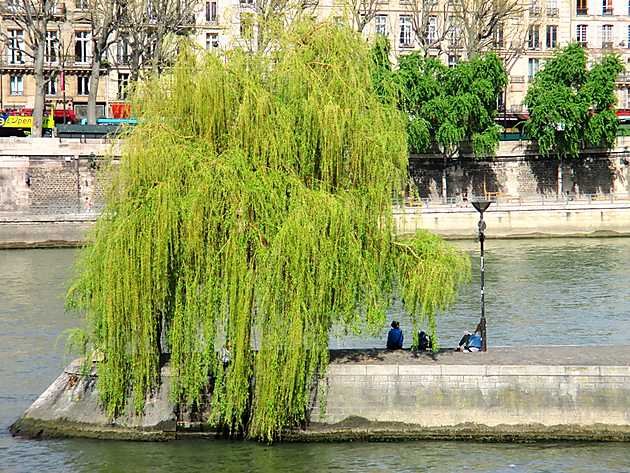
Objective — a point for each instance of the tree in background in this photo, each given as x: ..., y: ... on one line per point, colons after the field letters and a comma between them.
x: 362, y: 12
x: 25, y: 28
x: 481, y: 20
x: 148, y: 29
x: 104, y: 17
x: 571, y: 106
x: 448, y: 108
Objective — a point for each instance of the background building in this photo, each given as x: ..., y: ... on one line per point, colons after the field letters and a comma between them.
x: 525, y: 34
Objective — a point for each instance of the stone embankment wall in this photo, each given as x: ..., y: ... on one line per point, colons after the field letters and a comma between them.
x: 51, y: 191
x: 49, y: 176
x: 507, y: 397
x: 550, y: 393
x: 519, y: 221
x: 518, y: 171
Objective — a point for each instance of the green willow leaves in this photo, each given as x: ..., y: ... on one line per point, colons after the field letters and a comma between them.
x: 571, y: 106
x: 447, y: 107
x: 251, y: 211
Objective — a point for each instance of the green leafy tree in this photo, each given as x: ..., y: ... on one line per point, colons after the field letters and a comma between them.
x: 448, y: 108
x: 255, y: 217
x: 571, y: 106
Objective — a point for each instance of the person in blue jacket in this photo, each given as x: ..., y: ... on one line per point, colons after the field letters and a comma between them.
x: 395, y: 337
x: 471, y: 341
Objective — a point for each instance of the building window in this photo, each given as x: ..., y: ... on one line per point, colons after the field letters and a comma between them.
x: 380, y: 24
x: 83, y: 85
x: 212, y: 40
x: 123, y: 50
x: 581, y: 35
x: 533, y: 37
x: 552, y: 7
x: 211, y: 12
x: 533, y: 64
x: 405, y: 31
x: 82, y: 4
x: 16, y: 46
x: 51, y: 86
x: 582, y: 7
x: 497, y: 36
x: 552, y: 36
x: 607, y: 7
x: 607, y: 36
x: 16, y: 85
x: 454, y: 36
x: 52, y: 46
x: 82, y: 47
x: 123, y: 85
x: 534, y: 9
x: 452, y: 60
x: 432, y: 32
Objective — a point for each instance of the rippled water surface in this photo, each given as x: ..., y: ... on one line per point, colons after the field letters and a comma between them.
x: 574, y: 292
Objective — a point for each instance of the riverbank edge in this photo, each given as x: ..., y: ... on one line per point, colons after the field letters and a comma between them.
x: 350, y: 430
x: 46, y: 235
x: 551, y: 394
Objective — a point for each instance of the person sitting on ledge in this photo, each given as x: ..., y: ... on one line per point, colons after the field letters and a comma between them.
x: 424, y: 341
x: 471, y: 341
x: 395, y: 337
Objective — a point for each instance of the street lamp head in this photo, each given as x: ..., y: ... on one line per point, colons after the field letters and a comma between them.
x: 481, y: 205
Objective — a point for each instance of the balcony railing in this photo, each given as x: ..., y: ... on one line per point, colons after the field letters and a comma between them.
x: 608, y: 11
x: 517, y: 108
x: 582, y: 11
x: 607, y: 44
x: 535, y: 11
x: 10, y: 8
x: 584, y: 44
x: 517, y: 79
x: 623, y: 78
x: 552, y: 11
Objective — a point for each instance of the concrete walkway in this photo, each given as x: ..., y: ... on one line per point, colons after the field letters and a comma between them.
x: 504, y: 356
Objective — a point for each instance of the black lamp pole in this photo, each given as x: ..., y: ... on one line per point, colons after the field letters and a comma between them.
x: 481, y: 206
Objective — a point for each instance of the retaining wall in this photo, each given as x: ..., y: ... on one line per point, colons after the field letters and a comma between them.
x: 488, y: 395
x: 505, y: 394
x: 505, y: 221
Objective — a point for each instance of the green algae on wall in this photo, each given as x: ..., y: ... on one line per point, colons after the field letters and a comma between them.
x: 253, y: 209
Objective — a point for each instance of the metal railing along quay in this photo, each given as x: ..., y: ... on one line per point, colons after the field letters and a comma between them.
x: 501, y: 201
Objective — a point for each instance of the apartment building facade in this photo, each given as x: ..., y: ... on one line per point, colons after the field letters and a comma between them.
x: 525, y: 40
x: 67, y: 63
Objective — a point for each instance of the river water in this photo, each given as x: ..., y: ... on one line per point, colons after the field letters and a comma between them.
x: 551, y: 291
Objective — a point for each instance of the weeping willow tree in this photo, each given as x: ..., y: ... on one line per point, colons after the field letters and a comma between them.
x: 252, y: 211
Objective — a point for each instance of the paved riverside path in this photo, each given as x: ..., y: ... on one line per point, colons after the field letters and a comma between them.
x: 503, y: 356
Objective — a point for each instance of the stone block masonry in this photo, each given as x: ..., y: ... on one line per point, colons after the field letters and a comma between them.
x: 553, y: 394
x: 51, y: 177
x: 51, y: 191
x: 544, y: 393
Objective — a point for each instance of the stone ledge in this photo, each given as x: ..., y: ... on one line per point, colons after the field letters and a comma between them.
x: 357, y: 428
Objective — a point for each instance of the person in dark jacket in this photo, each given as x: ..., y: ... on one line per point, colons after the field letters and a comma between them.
x: 395, y: 337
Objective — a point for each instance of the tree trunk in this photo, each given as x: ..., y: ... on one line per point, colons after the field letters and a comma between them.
x: 560, y: 164
x: 40, y: 91
x: 95, y: 75
x: 157, y: 53
x: 444, y: 190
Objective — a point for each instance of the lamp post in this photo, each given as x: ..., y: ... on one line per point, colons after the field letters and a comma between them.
x: 481, y: 206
